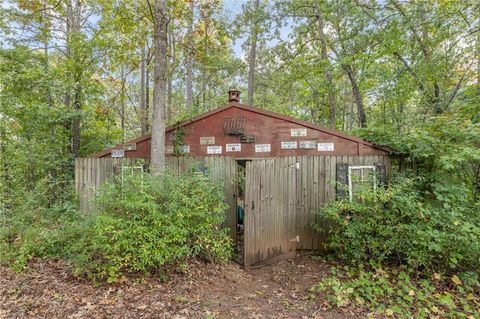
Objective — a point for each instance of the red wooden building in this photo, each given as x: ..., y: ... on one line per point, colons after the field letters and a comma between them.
x: 290, y: 169
x: 245, y: 132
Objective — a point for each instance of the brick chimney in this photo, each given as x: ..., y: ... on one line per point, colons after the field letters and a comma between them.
x: 233, y: 96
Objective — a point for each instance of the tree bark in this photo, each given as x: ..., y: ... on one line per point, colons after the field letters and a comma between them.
x: 253, y: 53
x: 189, y: 55
x: 160, y: 71
x: 204, y: 67
x: 122, y: 103
x: 326, y: 65
x: 73, y: 29
x: 171, y: 70
x: 477, y: 49
x: 147, y: 97
x: 143, y: 97
x: 357, y: 96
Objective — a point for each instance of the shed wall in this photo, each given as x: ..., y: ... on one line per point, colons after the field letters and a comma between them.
x: 266, y: 129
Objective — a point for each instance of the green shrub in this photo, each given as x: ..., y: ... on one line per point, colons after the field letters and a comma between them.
x: 35, y: 226
x: 398, y: 226
x: 146, y: 223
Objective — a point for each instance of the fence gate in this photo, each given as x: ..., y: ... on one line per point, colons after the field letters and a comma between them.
x: 270, y: 190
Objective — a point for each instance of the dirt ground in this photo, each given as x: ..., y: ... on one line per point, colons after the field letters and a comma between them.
x: 48, y: 290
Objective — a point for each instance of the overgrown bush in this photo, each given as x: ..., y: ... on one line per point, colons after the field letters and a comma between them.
x: 142, y: 224
x: 398, y: 226
x: 145, y: 223
x: 36, y: 225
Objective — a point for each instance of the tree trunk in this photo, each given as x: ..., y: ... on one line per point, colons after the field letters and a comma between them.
x: 171, y: 70
x: 189, y: 56
x: 253, y: 53
x: 357, y: 96
x: 160, y: 70
x: 77, y: 105
x: 147, y: 98
x: 122, y: 103
x: 143, y: 97
x: 73, y: 29
x: 204, y: 66
x: 326, y: 65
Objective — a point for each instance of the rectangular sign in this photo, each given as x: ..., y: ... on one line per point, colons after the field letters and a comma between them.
x: 217, y: 149
x: 289, y: 145
x: 262, y: 148
x: 307, y: 145
x: 237, y: 147
x: 298, y: 132
x: 169, y: 149
x: 326, y: 147
x: 118, y: 153
x: 207, y: 140
x: 130, y: 146
x: 247, y: 139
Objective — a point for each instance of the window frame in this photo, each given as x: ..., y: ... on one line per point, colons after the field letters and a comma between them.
x: 360, y: 167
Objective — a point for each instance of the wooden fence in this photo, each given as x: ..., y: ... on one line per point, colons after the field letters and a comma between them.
x: 283, y: 197
x: 91, y: 173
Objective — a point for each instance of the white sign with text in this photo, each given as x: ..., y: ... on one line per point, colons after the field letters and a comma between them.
x: 326, y: 147
x: 262, y: 148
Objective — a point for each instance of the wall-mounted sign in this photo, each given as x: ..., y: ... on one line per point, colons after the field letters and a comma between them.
x: 262, y: 148
x: 307, y: 145
x: 298, y: 132
x: 169, y: 149
x: 326, y: 147
x: 217, y: 149
x: 207, y: 140
x: 130, y: 147
x: 289, y: 145
x: 248, y: 139
x: 237, y: 147
x: 118, y: 153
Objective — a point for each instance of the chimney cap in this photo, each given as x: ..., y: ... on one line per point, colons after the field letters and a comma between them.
x: 233, y: 95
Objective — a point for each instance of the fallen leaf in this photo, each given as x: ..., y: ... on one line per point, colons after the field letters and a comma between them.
x: 456, y: 280
x: 108, y: 301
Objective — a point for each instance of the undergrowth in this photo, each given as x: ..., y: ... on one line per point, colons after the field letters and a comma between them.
x: 400, y: 226
x: 401, y: 293
x: 142, y: 224
x: 411, y: 250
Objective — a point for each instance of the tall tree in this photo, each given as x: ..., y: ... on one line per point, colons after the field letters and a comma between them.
x: 326, y: 63
x: 143, y: 93
x: 74, y: 13
x: 189, y: 57
x: 160, y: 72
x: 252, y: 57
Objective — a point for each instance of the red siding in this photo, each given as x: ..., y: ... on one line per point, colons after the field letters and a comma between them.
x: 267, y: 129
